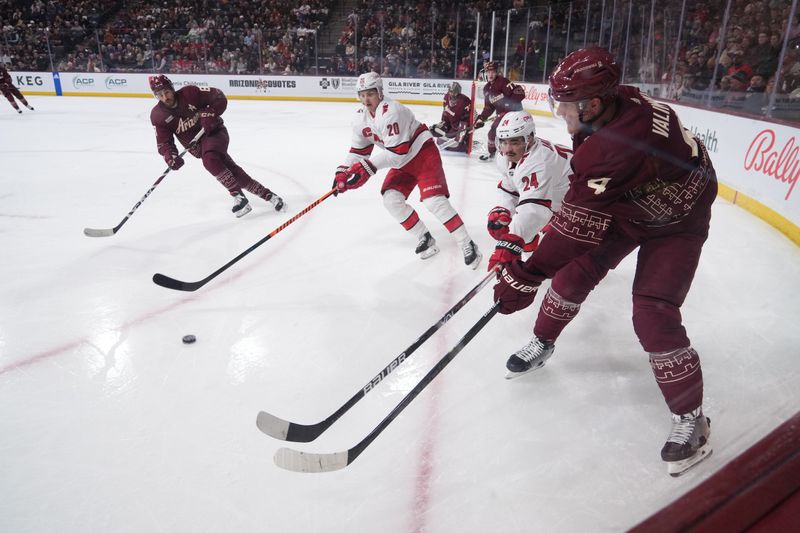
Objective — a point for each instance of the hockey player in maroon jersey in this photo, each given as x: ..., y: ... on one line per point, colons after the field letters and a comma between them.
x: 413, y: 160
x: 183, y: 113
x: 500, y: 96
x: 640, y: 181
x: 451, y: 130
x: 11, y: 92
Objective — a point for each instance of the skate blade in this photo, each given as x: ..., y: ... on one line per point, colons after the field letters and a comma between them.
x: 243, y: 211
x: 515, y: 375
x: 677, y: 468
x: 430, y: 252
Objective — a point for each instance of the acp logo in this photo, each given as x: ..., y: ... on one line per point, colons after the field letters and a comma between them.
x: 113, y: 82
x: 81, y: 82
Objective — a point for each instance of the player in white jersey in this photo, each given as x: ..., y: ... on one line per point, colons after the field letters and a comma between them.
x: 535, y: 177
x: 413, y: 160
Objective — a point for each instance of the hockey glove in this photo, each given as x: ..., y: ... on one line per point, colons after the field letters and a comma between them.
x: 174, y: 161
x: 439, y: 130
x: 341, y: 174
x: 499, y: 219
x: 479, y: 123
x: 507, y: 250
x: 209, y: 120
x: 355, y: 176
x: 516, y: 287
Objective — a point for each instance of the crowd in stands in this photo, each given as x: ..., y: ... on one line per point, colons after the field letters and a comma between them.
x: 428, y: 38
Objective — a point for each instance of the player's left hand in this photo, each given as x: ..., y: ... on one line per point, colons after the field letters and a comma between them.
x: 516, y: 287
x: 356, y: 176
x: 507, y: 250
x: 209, y: 120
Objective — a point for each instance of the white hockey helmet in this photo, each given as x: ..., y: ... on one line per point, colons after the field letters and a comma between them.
x: 516, y: 124
x: 370, y: 80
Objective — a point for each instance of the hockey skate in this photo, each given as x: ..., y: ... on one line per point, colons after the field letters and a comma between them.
x: 530, y: 357
x: 426, y: 247
x: 19, y: 110
x: 241, y: 205
x: 472, y: 256
x: 277, y: 202
x: 687, y: 443
x: 29, y: 107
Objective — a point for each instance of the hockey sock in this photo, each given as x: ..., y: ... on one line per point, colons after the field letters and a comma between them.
x: 229, y: 182
x: 680, y: 378
x: 443, y: 210
x: 259, y: 190
x: 395, y: 203
x: 554, y: 315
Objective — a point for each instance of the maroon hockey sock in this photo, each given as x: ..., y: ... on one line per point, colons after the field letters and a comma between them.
x: 259, y: 190
x: 554, y: 315
x: 229, y: 182
x: 680, y: 378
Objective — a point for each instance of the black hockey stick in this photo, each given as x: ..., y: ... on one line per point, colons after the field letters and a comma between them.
x: 298, y: 461
x: 291, y: 431
x: 172, y: 283
x: 92, y: 232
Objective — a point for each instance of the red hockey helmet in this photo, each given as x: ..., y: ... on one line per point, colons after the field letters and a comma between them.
x: 159, y: 83
x: 585, y: 74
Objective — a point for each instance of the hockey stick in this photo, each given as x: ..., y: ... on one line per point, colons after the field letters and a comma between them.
x: 284, y: 430
x: 92, y: 232
x: 297, y: 461
x: 172, y: 283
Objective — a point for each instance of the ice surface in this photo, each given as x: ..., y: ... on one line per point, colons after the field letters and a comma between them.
x: 109, y: 423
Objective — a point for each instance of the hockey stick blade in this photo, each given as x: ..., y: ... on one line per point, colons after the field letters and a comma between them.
x: 291, y: 431
x: 91, y: 232
x: 297, y: 461
x: 172, y: 283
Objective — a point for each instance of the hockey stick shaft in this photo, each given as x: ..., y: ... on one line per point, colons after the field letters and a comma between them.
x: 297, y: 461
x: 291, y: 431
x: 172, y: 283
x: 91, y: 232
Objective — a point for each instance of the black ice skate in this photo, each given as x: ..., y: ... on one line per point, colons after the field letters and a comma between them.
x: 687, y: 443
x: 241, y: 205
x: 426, y: 247
x: 277, y: 202
x: 472, y: 256
x: 531, y: 357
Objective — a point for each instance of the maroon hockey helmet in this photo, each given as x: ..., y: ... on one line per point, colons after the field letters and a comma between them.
x: 584, y: 74
x: 159, y: 83
x: 490, y: 65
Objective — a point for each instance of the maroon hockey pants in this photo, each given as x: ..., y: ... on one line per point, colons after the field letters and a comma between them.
x: 214, y: 150
x: 10, y: 92
x: 665, y: 269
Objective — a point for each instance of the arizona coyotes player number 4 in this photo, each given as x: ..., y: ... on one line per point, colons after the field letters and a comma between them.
x: 413, y: 161
x: 183, y: 113
x: 640, y: 180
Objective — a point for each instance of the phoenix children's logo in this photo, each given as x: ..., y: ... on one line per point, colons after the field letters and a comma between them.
x: 335, y: 82
x: 783, y: 166
x: 324, y: 83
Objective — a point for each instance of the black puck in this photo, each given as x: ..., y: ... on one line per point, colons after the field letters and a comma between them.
x: 189, y: 339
